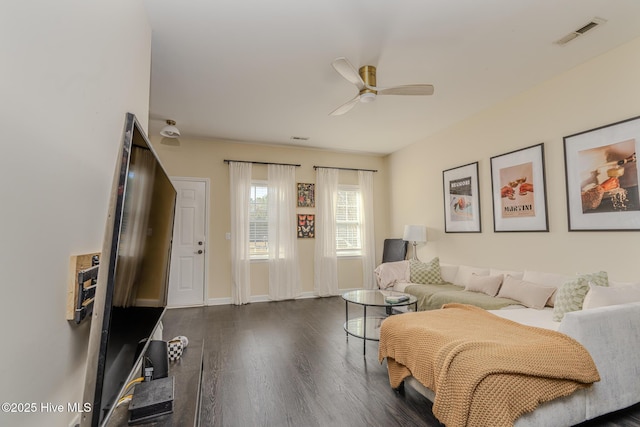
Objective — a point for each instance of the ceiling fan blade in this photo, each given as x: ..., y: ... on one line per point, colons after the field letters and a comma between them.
x: 346, y: 70
x: 345, y: 107
x: 406, y: 90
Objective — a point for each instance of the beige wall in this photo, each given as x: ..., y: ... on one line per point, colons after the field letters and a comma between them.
x: 188, y: 157
x: 599, y: 92
x: 71, y: 69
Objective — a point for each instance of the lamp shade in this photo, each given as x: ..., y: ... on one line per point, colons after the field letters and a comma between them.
x: 415, y: 233
x: 170, y: 130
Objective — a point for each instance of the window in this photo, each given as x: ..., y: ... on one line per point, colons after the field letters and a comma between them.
x: 258, y: 221
x: 348, y: 221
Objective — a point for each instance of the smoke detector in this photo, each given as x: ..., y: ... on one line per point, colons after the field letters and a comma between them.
x: 595, y: 22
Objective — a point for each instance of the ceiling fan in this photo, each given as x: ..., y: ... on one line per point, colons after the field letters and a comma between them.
x: 365, y: 81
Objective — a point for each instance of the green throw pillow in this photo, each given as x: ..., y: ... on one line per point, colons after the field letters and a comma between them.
x: 599, y: 279
x: 570, y: 295
x: 425, y: 272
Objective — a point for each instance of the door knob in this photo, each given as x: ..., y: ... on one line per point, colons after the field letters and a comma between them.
x: 200, y: 251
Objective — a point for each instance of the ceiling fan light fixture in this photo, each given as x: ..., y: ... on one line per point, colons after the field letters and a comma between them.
x: 367, y: 97
x: 170, y: 130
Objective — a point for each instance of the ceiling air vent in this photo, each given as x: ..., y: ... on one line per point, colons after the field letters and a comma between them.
x: 595, y: 22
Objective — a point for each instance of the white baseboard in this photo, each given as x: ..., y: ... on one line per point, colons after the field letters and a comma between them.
x: 259, y: 298
x: 170, y: 307
x: 141, y: 302
x: 219, y: 301
x: 307, y: 295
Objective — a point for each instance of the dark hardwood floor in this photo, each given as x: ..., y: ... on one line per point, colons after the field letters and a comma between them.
x: 289, y: 364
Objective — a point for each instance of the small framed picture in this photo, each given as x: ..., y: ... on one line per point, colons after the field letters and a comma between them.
x: 461, y: 199
x: 602, y: 178
x: 518, y: 190
x: 306, y: 226
x: 306, y: 195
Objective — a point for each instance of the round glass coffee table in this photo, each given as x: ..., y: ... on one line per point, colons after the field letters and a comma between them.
x: 368, y: 327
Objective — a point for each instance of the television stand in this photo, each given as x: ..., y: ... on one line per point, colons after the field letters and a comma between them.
x: 187, y: 373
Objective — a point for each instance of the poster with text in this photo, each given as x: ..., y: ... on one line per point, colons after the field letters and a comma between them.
x: 516, y: 191
x: 461, y: 199
x: 519, y: 193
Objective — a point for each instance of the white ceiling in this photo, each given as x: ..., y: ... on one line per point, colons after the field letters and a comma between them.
x: 260, y: 71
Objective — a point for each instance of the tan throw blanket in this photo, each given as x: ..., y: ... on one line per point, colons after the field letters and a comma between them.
x: 483, y: 369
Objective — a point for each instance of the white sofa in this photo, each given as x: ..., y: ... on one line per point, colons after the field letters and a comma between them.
x: 608, y: 326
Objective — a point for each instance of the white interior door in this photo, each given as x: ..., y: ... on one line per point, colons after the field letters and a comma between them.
x: 188, y: 256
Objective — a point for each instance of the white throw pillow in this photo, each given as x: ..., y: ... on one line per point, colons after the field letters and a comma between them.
x: 602, y: 296
x: 389, y: 273
x: 618, y: 284
x: 464, y: 274
x: 448, y: 272
x: 514, y: 274
x: 547, y: 279
x: 486, y: 284
x: 529, y: 294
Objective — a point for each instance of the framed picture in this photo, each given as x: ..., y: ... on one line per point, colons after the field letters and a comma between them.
x: 602, y: 178
x: 306, y: 226
x: 518, y: 190
x: 461, y: 199
x: 306, y: 195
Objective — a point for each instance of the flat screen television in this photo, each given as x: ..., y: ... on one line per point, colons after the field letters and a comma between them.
x: 133, y: 276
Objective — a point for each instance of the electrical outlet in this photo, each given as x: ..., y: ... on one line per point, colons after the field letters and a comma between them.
x: 227, y: 236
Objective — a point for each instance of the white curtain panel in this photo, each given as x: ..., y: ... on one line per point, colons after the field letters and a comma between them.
x: 284, y: 275
x: 325, y: 278
x: 365, y: 180
x: 134, y: 225
x: 240, y: 190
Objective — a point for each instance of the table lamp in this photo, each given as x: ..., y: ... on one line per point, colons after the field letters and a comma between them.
x: 415, y: 234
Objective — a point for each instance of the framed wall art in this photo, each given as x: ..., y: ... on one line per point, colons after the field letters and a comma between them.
x: 306, y: 195
x: 461, y: 199
x: 602, y: 178
x: 518, y: 190
x: 306, y: 226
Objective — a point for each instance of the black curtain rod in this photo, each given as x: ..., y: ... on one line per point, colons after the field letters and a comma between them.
x: 261, y: 163
x: 346, y: 169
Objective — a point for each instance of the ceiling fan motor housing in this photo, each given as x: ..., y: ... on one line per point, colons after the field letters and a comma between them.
x: 368, y: 75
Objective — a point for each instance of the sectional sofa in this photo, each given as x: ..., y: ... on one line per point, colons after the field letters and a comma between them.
x: 602, y: 315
